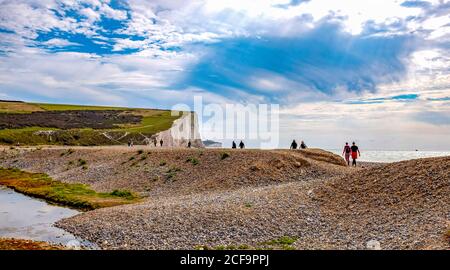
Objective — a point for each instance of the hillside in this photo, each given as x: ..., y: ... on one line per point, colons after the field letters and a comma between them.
x: 56, y: 124
x: 162, y: 172
x: 404, y: 209
x: 249, y: 199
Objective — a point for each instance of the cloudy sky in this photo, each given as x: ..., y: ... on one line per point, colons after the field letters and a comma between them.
x: 374, y: 71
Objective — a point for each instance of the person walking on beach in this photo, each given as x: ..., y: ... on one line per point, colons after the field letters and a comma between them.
x: 355, y: 153
x: 303, y: 145
x: 241, y: 145
x: 293, y: 145
x: 233, y: 146
x: 161, y: 142
x: 346, y: 153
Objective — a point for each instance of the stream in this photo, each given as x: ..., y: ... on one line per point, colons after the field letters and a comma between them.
x: 24, y: 217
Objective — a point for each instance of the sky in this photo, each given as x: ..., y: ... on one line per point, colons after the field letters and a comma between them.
x: 376, y: 71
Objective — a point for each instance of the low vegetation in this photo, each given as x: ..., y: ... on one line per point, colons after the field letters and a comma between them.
x: 284, y: 242
x: 193, y: 160
x: 20, y: 244
x: 73, y: 195
x: 224, y: 155
x: 47, y: 124
x: 172, y: 172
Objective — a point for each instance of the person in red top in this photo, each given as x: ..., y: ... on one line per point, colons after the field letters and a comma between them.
x: 355, y: 153
x: 346, y: 153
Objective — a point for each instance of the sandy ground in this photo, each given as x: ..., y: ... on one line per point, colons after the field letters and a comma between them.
x: 252, y: 197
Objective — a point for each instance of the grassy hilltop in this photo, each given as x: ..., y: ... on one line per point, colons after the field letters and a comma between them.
x: 59, y: 124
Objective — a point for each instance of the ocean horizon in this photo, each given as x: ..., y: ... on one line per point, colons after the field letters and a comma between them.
x: 394, y: 155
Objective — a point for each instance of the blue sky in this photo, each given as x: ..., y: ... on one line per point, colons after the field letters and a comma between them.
x: 377, y: 72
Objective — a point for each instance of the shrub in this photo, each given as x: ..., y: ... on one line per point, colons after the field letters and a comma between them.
x: 131, y: 158
x: 82, y: 162
x: 6, y: 140
x: 224, y: 155
x: 140, y: 152
x: 172, y: 172
x: 284, y: 240
x: 122, y: 193
x: 193, y: 160
x: 162, y: 163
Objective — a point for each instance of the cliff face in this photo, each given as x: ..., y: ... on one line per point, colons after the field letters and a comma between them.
x: 183, y: 130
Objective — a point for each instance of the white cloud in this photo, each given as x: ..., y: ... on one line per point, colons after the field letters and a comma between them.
x: 58, y: 42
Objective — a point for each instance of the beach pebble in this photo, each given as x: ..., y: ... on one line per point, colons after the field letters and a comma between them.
x: 373, y: 245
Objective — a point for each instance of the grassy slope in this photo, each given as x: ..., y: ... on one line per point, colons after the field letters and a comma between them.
x: 153, y: 121
x: 73, y: 195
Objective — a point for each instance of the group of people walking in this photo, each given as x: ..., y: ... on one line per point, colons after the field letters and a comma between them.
x: 349, y: 151
x: 155, y: 142
x: 352, y: 151
x: 294, y: 145
x: 241, y: 145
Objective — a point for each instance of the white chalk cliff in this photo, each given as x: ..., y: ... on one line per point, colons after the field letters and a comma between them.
x: 184, y: 130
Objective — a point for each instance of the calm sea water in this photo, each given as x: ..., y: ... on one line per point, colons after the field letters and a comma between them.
x: 393, y: 156
x: 24, y: 217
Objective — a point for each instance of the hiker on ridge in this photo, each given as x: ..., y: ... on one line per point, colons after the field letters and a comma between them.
x: 241, y: 145
x: 294, y: 145
x: 355, y: 153
x: 233, y: 145
x: 346, y: 153
x: 303, y: 145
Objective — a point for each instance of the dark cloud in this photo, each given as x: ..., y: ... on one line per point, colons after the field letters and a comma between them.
x: 322, y: 59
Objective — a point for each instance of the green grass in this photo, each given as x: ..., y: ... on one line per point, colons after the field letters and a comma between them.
x: 78, y: 196
x: 18, y: 107
x: 153, y: 121
x: 284, y: 243
x: 152, y: 124
x: 193, y: 160
x: 23, y: 136
x: 68, y: 107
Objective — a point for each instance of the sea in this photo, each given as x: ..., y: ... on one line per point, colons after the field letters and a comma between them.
x: 393, y: 156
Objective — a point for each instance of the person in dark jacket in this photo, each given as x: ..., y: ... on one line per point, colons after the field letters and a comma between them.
x: 303, y: 145
x: 161, y: 142
x: 294, y: 145
x: 233, y: 145
x: 355, y: 153
x: 241, y: 145
x: 189, y: 144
